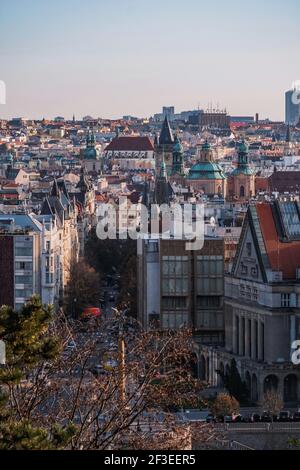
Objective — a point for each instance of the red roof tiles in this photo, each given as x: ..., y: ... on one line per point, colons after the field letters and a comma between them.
x: 283, y: 256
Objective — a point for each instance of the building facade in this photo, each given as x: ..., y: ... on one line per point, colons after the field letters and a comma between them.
x: 262, y: 302
x: 182, y: 287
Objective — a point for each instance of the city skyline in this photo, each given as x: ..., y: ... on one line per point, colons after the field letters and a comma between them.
x: 131, y: 58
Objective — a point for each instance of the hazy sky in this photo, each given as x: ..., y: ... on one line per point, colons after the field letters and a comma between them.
x: 113, y: 57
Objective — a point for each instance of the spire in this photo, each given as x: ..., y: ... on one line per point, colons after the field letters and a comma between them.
x: 166, y: 136
x: 163, y: 173
x: 55, y: 190
x: 88, y: 137
x: 92, y: 138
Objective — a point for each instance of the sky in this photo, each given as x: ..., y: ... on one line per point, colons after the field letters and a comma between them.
x: 109, y: 58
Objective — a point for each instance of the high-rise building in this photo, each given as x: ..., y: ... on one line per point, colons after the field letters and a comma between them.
x: 292, y: 109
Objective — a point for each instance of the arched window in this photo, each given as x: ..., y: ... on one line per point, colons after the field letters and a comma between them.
x: 242, y: 191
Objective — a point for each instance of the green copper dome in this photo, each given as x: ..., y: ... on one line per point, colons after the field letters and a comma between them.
x: 243, y: 167
x: 177, y: 147
x: 205, y: 171
x: 90, y: 153
x: 243, y: 170
x: 243, y: 147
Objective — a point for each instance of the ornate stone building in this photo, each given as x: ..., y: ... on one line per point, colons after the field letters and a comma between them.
x: 262, y: 304
x: 207, y: 175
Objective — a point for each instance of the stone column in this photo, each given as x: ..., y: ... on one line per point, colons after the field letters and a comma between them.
x: 234, y: 326
x: 260, y: 341
x: 247, y: 338
x: 253, y: 339
x: 241, y: 336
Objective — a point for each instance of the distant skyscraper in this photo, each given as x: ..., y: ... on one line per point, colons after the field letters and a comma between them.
x: 292, y: 110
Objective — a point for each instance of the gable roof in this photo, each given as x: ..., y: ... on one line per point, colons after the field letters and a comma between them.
x: 282, y: 255
x: 275, y: 229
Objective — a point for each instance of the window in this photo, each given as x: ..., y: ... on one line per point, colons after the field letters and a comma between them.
x: 244, y: 268
x: 25, y: 293
x: 207, y: 301
x: 248, y: 248
x: 23, y: 266
x: 174, y: 302
x: 23, y: 251
x: 254, y: 271
x: 210, y: 285
x: 174, y: 266
x: 242, y: 290
x: 210, y: 265
x: 23, y: 279
x: 49, y: 278
x: 254, y: 293
x: 285, y: 300
x: 248, y: 292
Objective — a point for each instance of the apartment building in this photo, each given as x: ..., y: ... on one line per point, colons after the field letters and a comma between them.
x: 179, y: 287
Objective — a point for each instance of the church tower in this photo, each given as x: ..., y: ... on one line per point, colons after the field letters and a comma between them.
x: 164, y: 148
x: 177, y: 166
x: 243, y: 176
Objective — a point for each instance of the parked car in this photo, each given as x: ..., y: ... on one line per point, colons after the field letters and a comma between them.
x: 266, y: 417
x: 284, y: 416
x: 239, y: 419
x: 296, y: 416
x: 210, y: 418
x: 255, y: 418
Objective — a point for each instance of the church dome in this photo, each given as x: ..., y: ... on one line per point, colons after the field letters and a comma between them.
x: 243, y: 170
x: 205, y: 171
x: 90, y: 153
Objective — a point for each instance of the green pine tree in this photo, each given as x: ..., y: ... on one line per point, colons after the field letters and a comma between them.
x: 28, y: 343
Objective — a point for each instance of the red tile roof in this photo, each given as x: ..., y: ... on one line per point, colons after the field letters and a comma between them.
x: 138, y: 144
x: 283, y: 256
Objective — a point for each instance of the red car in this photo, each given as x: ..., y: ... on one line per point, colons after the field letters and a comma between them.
x: 91, y: 312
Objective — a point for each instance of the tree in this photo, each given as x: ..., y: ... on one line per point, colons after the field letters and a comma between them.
x: 234, y: 384
x: 107, y: 256
x: 128, y: 284
x: 272, y: 403
x: 225, y: 405
x: 29, y: 343
x: 83, y: 288
x: 58, y: 400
